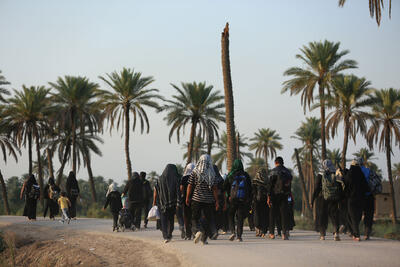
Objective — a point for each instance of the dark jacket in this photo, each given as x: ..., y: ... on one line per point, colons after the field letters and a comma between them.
x: 280, y: 181
x: 134, y: 188
x: 114, y: 199
x: 147, y: 192
x: 355, y: 183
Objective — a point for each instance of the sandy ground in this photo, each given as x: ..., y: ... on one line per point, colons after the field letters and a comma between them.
x: 92, y: 243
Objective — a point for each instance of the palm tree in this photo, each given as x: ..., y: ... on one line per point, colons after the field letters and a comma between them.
x: 265, y: 143
x: 229, y: 107
x: 197, y: 104
x: 367, y: 156
x: 386, y: 129
x: 322, y: 64
x: 76, y: 98
x: 43, y: 165
x: 130, y: 95
x: 27, y: 116
x: 222, y: 156
x: 3, y: 91
x: 349, y: 100
x: 7, y: 145
x: 375, y: 8
x: 334, y: 155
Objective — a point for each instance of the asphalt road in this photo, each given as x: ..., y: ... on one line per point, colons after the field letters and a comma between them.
x: 303, y: 249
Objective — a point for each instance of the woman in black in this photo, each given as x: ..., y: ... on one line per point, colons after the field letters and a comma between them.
x: 187, y: 211
x: 114, y: 199
x: 166, y: 196
x: 221, y: 221
x: 72, y: 193
x: 51, y: 194
x: 260, y: 207
x: 32, y: 193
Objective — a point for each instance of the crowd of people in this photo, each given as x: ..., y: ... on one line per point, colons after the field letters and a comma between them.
x: 207, y: 205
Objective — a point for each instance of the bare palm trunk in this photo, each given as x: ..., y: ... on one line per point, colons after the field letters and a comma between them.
x: 323, y: 135
x: 128, y: 159
x: 238, y: 147
x: 345, y: 142
x: 266, y: 158
x: 312, y: 179
x: 91, y: 180
x: 4, y: 193
x: 191, y: 142
x: 73, y: 129
x: 40, y: 171
x: 64, y: 161
x: 229, y: 107
x: 389, y: 166
x: 50, y: 162
x: 30, y: 152
x: 209, y: 146
x: 303, y: 185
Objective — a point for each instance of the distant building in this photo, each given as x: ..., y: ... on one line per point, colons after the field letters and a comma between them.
x: 383, y: 205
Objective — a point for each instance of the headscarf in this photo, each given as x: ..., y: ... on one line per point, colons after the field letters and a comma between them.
x: 189, y: 168
x: 261, y: 176
x: 51, y: 181
x: 357, y: 162
x: 327, y: 166
x: 237, y: 166
x: 135, y: 175
x: 167, y: 187
x: 31, y: 180
x: 71, y: 180
x: 204, y: 170
x: 111, y: 188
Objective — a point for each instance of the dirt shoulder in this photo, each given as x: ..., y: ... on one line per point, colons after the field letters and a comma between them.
x: 43, y: 246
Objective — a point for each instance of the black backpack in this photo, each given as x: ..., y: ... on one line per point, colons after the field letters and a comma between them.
x: 34, y: 192
x: 239, y: 190
x: 261, y: 193
x: 283, y: 176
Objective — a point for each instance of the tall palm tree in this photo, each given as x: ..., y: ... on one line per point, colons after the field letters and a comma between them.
x: 3, y: 91
x: 222, y: 156
x: 197, y: 104
x: 229, y: 104
x: 321, y: 60
x: 266, y: 143
x: 7, y: 145
x: 76, y: 97
x: 27, y: 116
x: 349, y: 100
x: 386, y: 129
x: 375, y: 9
x: 130, y: 95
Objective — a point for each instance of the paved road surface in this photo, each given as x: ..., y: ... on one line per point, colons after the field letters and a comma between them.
x: 304, y: 248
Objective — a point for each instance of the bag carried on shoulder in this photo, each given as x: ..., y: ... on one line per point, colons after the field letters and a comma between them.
x: 331, y: 187
x: 74, y: 192
x: 375, y: 183
x: 280, y: 185
x: 53, y: 194
x: 34, y: 192
x: 261, y: 193
x: 239, y: 188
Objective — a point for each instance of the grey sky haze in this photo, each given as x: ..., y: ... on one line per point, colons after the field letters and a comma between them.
x: 176, y: 41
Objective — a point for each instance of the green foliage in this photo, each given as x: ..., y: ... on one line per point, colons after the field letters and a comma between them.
x: 266, y: 143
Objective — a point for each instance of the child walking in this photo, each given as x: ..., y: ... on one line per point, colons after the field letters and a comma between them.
x: 64, y: 203
x: 114, y: 199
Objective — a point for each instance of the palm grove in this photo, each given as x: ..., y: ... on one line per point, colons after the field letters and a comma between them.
x: 67, y: 118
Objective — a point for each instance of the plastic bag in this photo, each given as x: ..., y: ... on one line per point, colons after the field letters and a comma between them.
x: 154, y: 213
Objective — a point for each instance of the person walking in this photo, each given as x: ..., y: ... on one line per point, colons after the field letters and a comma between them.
x: 51, y: 195
x: 65, y: 204
x: 220, y: 214
x: 134, y: 188
x: 278, y: 194
x: 356, y: 188
x: 147, y: 197
x: 328, y: 191
x: 369, y: 201
x: 72, y: 188
x: 166, y: 197
x: 202, y: 183
x: 113, y: 198
x: 238, y: 188
x: 30, y: 189
x: 187, y: 210
x: 260, y: 207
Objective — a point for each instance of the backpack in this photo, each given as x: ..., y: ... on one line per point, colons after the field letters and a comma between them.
x: 74, y: 192
x: 331, y: 188
x: 261, y: 193
x: 283, y: 177
x: 375, y: 183
x: 239, y: 188
x: 34, y: 192
x: 53, y: 194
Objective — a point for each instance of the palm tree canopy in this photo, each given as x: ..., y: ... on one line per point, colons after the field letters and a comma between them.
x: 321, y: 60
x: 351, y: 95
x: 194, y: 103
x: 386, y: 118
x: 309, y: 133
x: 375, y: 9
x: 334, y: 155
x: 7, y: 143
x: 130, y: 90
x: 3, y: 91
x: 266, y: 142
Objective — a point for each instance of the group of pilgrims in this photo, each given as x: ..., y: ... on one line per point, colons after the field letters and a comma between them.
x: 207, y: 205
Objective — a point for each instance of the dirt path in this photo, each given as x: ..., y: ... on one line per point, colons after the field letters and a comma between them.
x: 145, y: 247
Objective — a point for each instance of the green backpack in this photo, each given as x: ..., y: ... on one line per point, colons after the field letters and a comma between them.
x: 331, y: 188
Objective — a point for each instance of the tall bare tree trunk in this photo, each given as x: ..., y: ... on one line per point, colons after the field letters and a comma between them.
x: 91, y: 180
x: 191, y: 142
x: 73, y: 129
x: 389, y: 166
x: 238, y: 146
x: 229, y: 107
x: 64, y: 161
x: 345, y: 142
x: 323, y: 135
x: 128, y: 159
x: 30, y: 152
x: 303, y: 185
x: 4, y: 193
x: 50, y: 162
x: 40, y: 171
x: 266, y: 158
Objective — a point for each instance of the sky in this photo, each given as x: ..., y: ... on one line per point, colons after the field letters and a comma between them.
x: 180, y: 41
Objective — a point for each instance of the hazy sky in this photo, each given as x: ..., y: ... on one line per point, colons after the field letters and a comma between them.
x: 176, y: 41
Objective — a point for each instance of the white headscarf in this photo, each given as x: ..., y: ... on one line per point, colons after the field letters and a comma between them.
x: 189, y: 168
x: 204, y: 170
x: 112, y: 187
